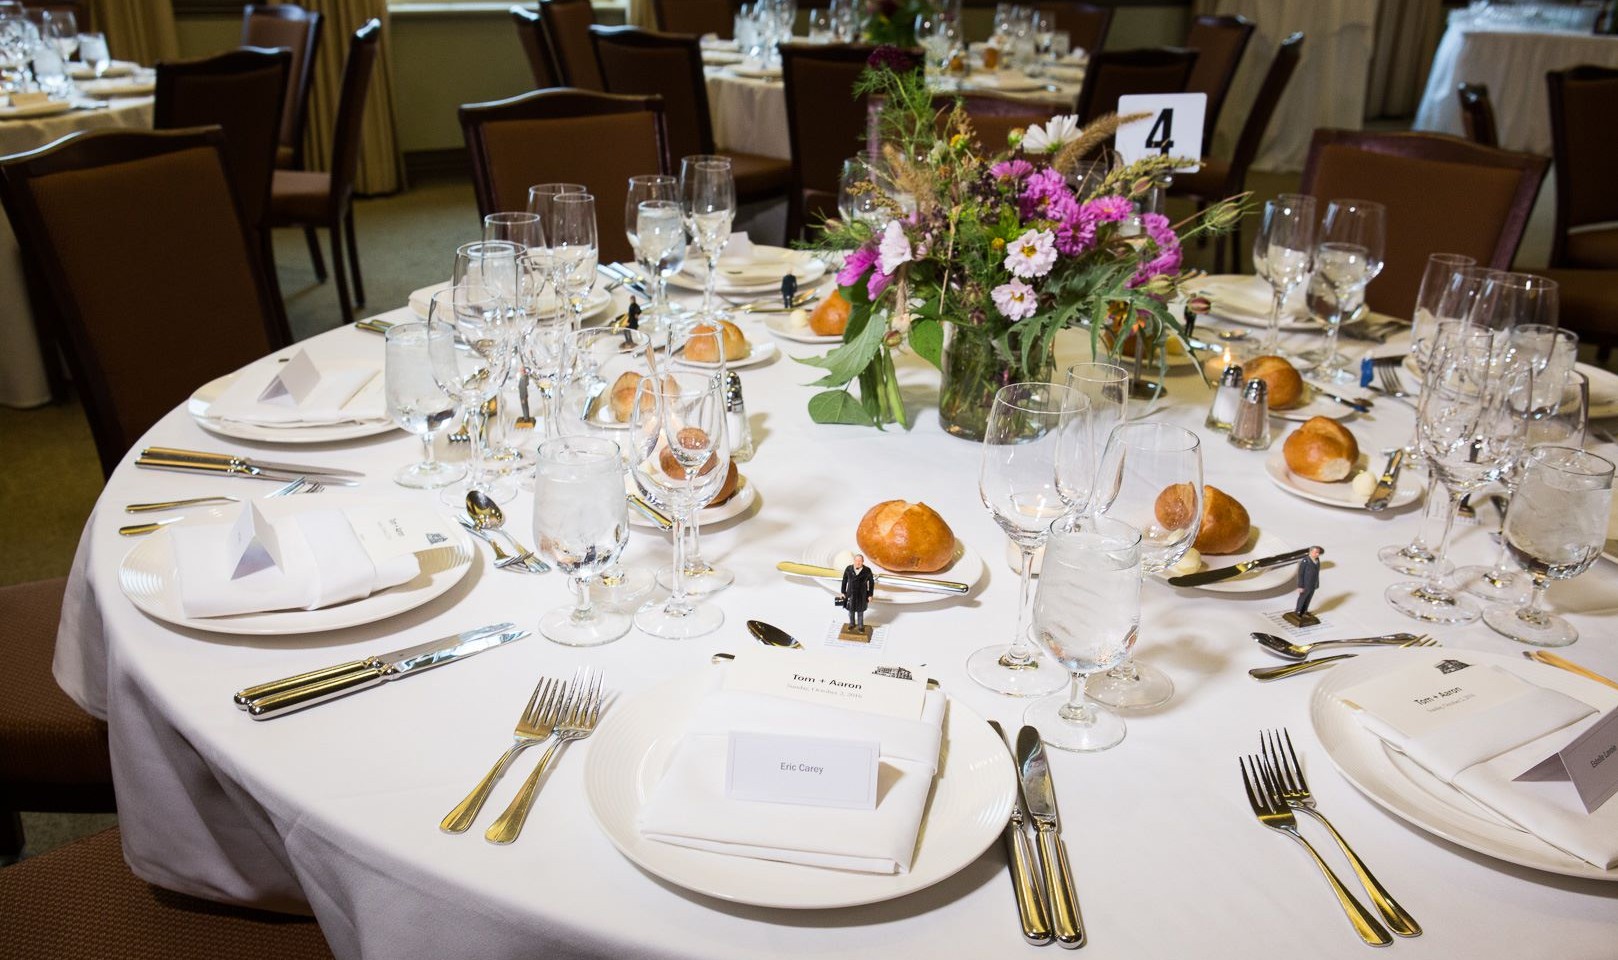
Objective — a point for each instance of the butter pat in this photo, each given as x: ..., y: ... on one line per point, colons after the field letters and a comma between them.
x: 1190, y: 563
x: 799, y: 319
x: 1363, y: 484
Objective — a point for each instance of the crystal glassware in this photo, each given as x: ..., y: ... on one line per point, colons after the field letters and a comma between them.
x: 660, y: 229
x: 1287, y: 234
x: 416, y: 402
x: 1353, y: 235
x: 93, y: 51
x: 574, y: 250
x: 701, y: 577
x: 1086, y: 617
x: 471, y: 314
x: 708, y: 200
x: 659, y: 314
x: 581, y: 524
x: 497, y: 265
x: 1106, y: 387
x: 542, y: 201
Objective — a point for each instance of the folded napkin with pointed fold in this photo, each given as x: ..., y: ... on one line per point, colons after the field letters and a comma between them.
x: 348, y: 391
x: 689, y: 806
x: 1502, y: 726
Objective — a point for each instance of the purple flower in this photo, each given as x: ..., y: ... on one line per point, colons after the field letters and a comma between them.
x: 1161, y: 233
x: 1011, y: 169
x: 855, y: 265
x: 1042, y: 188
x: 879, y: 282
x: 890, y: 57
x: 1015, y: 300
x: 1110, y: 208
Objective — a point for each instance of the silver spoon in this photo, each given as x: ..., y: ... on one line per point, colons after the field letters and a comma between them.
x: 1282, y: 647
x: 772, y: 636
x: 488, y: 516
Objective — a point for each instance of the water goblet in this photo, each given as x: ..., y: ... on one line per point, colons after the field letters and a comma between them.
x: 417, y: 403
x: 708, y: 199
x: 1287, y: 235
x: 581, y: 524
x: 473, y: 315
x: 660, y: 228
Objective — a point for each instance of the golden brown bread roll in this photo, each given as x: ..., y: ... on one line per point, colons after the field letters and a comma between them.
x: 690, y: 438
x: 1321, y: 449
x: 1225, y: 524
x: 733, y: 480
x: 1285, y: 385
x: 623, y: 395
x: 906, y: 537
x: 830, y: 318
x: 700, y: 349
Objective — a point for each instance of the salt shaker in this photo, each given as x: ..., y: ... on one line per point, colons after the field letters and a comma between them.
x: 736, y: 423
x: 1227, y: 399
x: 1250, y: 430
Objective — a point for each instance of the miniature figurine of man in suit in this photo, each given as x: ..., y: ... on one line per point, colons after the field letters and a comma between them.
x: 1308, y: 582
x: 858, y: 585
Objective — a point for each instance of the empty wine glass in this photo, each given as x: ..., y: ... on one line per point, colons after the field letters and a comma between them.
x: 708, y: 198
x: 1353, y: 235
x: 416, y: 402
x: 1151, y: 479
x: 660, y: 188
x: 1028, y: 425
x: 497, y: 265
x: 660, y: 228
x: 574, y: 250
x: 542, y: 201
x: 1556, y: 528
x: 62, y: 32
x: 471, y: 314
x: 581, y: 523
x: 858, y: 198
x: 701, y: 577
x: 93, y: 52
x: 1106, y: 387
x: 1288, y: 238
x: 1086, y: 617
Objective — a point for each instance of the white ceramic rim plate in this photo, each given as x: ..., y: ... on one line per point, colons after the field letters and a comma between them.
x: 737, y: 505
x: 761, y: 351
x: 967, y: 568
x: 967, y: 810
x: 1319, y: 405
x: 1404, y: 789
x: 206, y: 394
x: 756, y: 73
x: 1004, y: 81
x: 780, y: 324
x: 1335, y: 494
x: 148, y: 577
x: 118, y: 87
x: 49, y: 108
x: 1266, y: 545
x: 115, y: 68
x: 716, y: 57
x: 805, y: 266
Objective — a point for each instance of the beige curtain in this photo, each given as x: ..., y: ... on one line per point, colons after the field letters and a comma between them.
x: 138, y: 30
x: 380, y: 169
x: 1407, y: 33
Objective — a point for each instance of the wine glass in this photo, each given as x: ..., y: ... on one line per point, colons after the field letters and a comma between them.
x: 1028, y: 425
x: 1556, y: 528
x: 581, y: 523
x: 681, y: 457
x: 1086, y: 617
x: 708, y: 198
x: 1353, y: 236
x: 472, y: 314
x: 62, y: 32
x: 701, y: 577
x: 1507, y: 300
x: 859, y: 198
x: 525, y: 231
x: 416, y: 402
x: 93, y: 51
x: 1151, y: 479
x: 542, y: 201
x: 663, y: 188
x: 660, y: 228
x: 574, y: 250
x: 496, y: 265
x: 1288, y: 237
x: 1106, y: 387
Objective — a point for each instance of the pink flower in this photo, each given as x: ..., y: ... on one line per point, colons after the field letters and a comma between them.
x: 1077, y: 231
x: 879, y: 282
x: 1032, y: 254
x: 1042, y: 190
x: 1169, y: 255
x: 1011, y: 169
x: 1015, y: 300
x: 894, y: 249
x: 855, y: 265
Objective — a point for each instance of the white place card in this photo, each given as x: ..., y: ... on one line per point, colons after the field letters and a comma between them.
x: 772, y: 768
x: 294, y: 382
x: 1590, y: 761
x: 252, y: 544
x: 829, y: 681
x: 875, y: 640
x: 1277, y: 621
x: 1419, y: 699
x: 389, y: 531
x: 1174, y: 128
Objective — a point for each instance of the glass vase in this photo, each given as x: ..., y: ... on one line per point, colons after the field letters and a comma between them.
x: 974, y: 372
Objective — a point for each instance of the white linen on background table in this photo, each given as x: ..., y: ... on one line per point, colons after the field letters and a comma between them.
x: 337, y: 807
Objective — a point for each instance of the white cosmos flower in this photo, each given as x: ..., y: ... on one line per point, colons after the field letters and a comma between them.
x: 1057, y: 133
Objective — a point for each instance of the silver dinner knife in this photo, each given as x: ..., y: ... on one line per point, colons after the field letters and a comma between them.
x: 1387, y: 483
x: 891, y: 579
x: 1039, y: 799
x: 279, y: 697
x: 218, y: 468
x: 1031, y: 909
x: 172, y: 453
x: 1204, y: 577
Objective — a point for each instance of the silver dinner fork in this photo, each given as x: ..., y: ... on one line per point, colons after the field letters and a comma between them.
x: 536, y: 724
x: 300, y: 485
x: 581, y: 710
x: 1273, y: 812
x: 1388, y: 373
x: 1287, y: 772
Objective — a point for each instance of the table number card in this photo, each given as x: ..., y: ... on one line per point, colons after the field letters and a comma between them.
x: 294, y: 382
x: 252, y: 544
x: 1174, y: 128
x: 1590, y: 761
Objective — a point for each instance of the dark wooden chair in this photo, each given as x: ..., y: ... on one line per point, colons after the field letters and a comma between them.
x: 826, y: 124
x: 536, y: 47
x: 1220, y: 42
x: 536, y: 138
x: 186, y: 304
x: 1115, y: 73
x: 289, y: 27
x: 1443, y: 194
x: 567, y: 29
x: 1086, y: 24
x: 310, y: 199
x: 1477, y: 114
x: 696, y: 17
x: 1584, y: 249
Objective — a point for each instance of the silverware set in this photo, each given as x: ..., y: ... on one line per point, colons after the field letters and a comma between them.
x: 1040, y: 876
x: 556, y: 713
x: 299, y: 485
x: 235, y: 465
x: 485, y: 520
x: 1297, y: 652
x: 1275, y: 785
x: 1387, y: 372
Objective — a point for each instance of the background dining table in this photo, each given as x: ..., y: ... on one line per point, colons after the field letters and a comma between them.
x: 335, y: 809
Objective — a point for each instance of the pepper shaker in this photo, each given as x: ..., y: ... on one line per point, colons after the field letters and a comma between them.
x: 1251, y: 428
x: 1227, y: 399
x: 736, y: 422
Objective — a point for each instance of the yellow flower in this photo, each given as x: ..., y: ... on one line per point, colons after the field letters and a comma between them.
x: 997, y: 243
x: 957, y: 142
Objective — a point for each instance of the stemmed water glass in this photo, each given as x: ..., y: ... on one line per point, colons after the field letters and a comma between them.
x: 1151, y: 479
x: 661, y: 230
x: 1347, y: 258
x: 659, y: 188
x: 525, y: 231
x: 708, y: 199
x: 1106, y: 387
x: 1028, y: 425
x: 1086, y: 617
x: 542, y: 201
x: 574, y: 250
x: 1556, y: 528
x: 1287, y: 237
x: 701, y: 577
x: 416, y: 402
x: 472, y: 314
x: 581, y: 523
x: 497, y: 266
x: 681, y: 456
x: 93, y: 51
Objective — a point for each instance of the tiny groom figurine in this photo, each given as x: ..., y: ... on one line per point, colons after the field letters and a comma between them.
x: 1308, y: 582
x: 858, y: 585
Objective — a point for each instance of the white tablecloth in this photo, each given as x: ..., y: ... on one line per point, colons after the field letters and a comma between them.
x: 338, y: 807
x: 22, y: 371
x: 1513, y: 64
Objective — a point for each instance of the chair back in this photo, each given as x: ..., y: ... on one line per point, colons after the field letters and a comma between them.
x: 567, y: 27
x: 1584, y: 101
x: 1263, y: 109
x: 993, y: 118
x: 536, y: 138
x: 1115, y: 73
x: 1477, y: 114
x: 826, y: 123
x: 1443, y: 194
x: 350, y: 126
x: 1220, y: 42
x: 696, y: 17
x: 644, y: 63
x: 531, y: 34
x: 242, y: 91
x: 292, y: 28
x: 145, y: 324
x: 1085, y: 23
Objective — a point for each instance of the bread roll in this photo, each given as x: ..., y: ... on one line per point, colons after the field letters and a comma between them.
x: 622, y: 395
x: 701, y: 349
x: 906, y: 537
x: 733, y: 481
x: 1286, y: 386
x: 1226, y: 526
x: 830, y: 318
x: 1321, y: 449
x: 690, y: 438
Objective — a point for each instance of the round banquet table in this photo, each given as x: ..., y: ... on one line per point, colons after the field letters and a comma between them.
x: 335, y: 809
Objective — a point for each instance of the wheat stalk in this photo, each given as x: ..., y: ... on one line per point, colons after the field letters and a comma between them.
x: 1094, y: 134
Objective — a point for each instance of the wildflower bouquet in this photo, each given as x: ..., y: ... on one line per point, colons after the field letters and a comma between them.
x: 893, y: 21
x: 1000, y: 250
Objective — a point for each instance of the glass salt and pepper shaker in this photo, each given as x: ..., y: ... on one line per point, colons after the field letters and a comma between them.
x: 736, y: 422
x: 1227, y: 399
x: 1250, y: 430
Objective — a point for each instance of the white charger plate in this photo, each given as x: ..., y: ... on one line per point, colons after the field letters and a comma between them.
x: 49, y: 108
x: 1404, y: 789
x: 1335, y: 494
x: 1317, y: 404
x: 967, y: 568
x: 206, y: 394
x: 713, y: 57
x: 759, y: 352
x: 756, y: 73
x: 969, y: 806
x: 762, y: 274
x: 780, y: 324
x: 150, y: 579
x: 737, y: 505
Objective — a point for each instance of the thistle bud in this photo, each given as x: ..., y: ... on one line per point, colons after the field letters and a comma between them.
x: 1014, y: 138
x: 1222, y: 216
x: 1140, y: 186
x: 1198, y: 305
x: 1160, y: 286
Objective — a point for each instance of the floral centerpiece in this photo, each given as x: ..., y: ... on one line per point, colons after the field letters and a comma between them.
x: 983, y: 257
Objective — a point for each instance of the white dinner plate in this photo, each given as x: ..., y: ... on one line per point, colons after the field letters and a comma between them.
x: 1260, y: 543
x: 968, y: 808
x: 49, y: 108
x: 967, y: 568
x: 758, y: 352
x: 1245, y: 299
x: 720, y: 58
x: 133, y: 86
x: 1003, y: 81
x: 737, y: 505
x: 598, y: 300
x: 761, y: 274
x: 1317, y: 404
x: 116, y: 68
x: 756, y: 73
x: 206, y: 394
x: 150, y: 579
x: 1407, y: 791
x: 1335, y: 494
x: 780, y: 324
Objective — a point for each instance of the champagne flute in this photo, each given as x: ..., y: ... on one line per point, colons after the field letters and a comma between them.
x: 708, y: 197
x: 1028, y: 425
x: 660, y: 228
x: 1151, y: 479
x: 581, y: 523
x: 1288, y: 235
x: 652, y: 187
x: 1556, y: 528
x: 574, y: 250
x: 1086, y: 617
x: 1106, y: 387
x: 417, y: 403
x: 473, y: 315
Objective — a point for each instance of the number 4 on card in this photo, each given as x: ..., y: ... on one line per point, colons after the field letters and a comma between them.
x: 1172, y: 127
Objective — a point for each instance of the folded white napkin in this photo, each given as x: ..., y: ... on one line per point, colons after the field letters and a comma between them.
x: 348, y: 391
x: 323, y: 563
x: 1249, y: 298
x: 689, y: 807
x: 1482, y: 755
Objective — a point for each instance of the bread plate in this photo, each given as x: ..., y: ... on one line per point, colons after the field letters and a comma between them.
x: 966, y: 567
x: 781, y: 325
x: 759, y: 352
x: 1316, y: 404
x: 1340, y: 494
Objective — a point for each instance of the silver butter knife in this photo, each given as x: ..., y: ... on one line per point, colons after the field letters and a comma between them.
x: 891, y: 579
x: 1039, y: 799
x: 1204, y: 577
x: 173, y: 453
x: 1031, y: 902
x: 1387, y: 483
